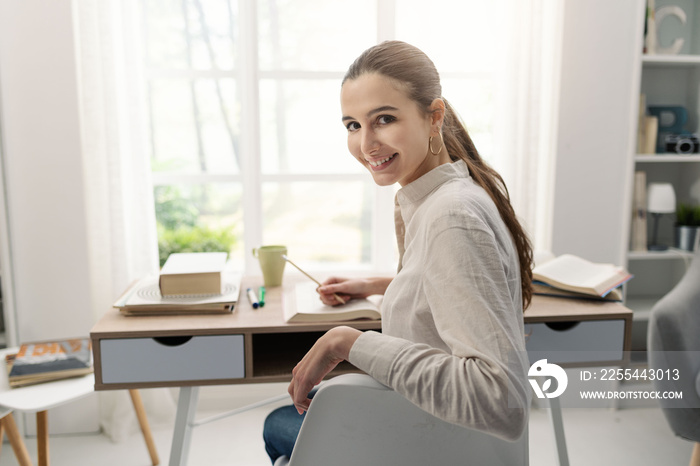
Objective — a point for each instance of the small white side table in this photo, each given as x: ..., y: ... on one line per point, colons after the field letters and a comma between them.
x: 42, y: 397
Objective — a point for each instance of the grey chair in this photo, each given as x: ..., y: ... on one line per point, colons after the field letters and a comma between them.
x: 355, y: 420
x: 674, y: 343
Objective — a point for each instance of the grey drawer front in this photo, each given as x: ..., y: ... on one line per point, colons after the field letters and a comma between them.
x: 148, y: 360
x: 585, y: 341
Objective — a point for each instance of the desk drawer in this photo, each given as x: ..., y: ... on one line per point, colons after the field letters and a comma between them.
x: 169, y: 359
x: 576, y: 342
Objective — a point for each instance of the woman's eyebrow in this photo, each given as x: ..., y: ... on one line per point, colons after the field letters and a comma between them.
x: 383, y: 108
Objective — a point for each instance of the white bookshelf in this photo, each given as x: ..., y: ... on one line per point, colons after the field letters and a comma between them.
x: 665, y: 80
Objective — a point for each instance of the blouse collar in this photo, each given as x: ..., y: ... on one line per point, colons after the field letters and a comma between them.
x: 418, y: 189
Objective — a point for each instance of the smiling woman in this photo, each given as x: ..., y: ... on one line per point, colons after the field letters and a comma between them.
x: 452, y: 328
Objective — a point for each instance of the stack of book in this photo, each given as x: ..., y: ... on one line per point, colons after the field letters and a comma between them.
x: 48, y: 361
x: 189, y: 283
x: 193, y: 273
x: 570, y: 276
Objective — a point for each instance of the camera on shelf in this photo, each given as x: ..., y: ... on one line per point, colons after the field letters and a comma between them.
x: 682, y: 143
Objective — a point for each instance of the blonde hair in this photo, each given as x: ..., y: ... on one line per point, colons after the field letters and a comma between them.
x: 413, y: 70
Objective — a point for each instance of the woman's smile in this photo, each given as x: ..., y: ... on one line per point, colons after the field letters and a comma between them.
x: 382, y: 163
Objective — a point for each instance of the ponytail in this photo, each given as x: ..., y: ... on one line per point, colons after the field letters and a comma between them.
x: 461, y: 147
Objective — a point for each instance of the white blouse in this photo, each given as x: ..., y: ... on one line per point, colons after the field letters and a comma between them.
x: 452, y: 338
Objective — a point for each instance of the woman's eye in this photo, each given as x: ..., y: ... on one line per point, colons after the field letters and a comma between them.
x: 353, y: 126
x: 385, y: 119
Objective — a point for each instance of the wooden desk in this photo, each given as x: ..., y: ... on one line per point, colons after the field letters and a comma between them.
x: 246, y: 346
x: 257, y: 345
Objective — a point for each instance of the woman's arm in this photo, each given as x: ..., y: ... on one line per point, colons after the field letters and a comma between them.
x: 329, y: 350
x: 334, y: 346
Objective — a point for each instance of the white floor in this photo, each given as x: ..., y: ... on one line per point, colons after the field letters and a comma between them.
x: 631, y: 436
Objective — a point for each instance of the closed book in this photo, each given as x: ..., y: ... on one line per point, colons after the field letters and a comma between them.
x: 638, y: 240
x: 303, y: 304
x: 49, y: 360
x: 572, y: 273
x: 651, y: 134
x: 193, y: 273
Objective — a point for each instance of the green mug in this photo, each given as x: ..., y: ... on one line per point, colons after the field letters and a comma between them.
x: 271, y: 263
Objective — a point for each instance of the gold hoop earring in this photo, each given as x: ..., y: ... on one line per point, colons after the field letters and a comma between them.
x: 430, y: 145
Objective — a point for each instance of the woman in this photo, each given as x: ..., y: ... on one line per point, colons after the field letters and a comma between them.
x: 452, y: 326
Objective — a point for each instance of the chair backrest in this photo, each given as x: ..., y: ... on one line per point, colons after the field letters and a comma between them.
x: 674, y: 343
x: 354, y: 420
x: 677, y: 315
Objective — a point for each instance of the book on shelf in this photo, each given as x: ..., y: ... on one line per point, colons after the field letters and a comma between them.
x: 47, y: 361
x: 143, y: 298
x: 572, y: 273
x: 193, y: 273
x: 302, y: 304
x: 639, y: 213
x: 647, y: 129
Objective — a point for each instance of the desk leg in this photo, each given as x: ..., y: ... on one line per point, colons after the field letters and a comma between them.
x: 145, y: 427
x: 558, y: 425
x: 186, y: 407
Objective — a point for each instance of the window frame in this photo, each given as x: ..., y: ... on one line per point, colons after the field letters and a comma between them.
x: 251, y: 178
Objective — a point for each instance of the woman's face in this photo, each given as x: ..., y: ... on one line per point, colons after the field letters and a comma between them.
x: 387, y: 131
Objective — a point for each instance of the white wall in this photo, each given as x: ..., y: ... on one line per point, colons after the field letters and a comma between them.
x: 43, y: 173
x: 601, y: 39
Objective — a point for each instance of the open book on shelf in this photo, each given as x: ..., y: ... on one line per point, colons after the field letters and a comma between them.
x: 575, y: 274
x: 302, y: 304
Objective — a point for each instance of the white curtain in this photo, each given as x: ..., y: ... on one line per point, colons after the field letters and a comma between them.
x: 526, y: 134
x: 119, y: 197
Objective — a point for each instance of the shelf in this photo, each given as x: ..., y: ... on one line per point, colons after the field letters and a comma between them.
x: 670, y: 253
x: 665, y: 60
x: 665, y: 158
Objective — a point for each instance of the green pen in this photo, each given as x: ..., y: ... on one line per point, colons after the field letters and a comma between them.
x: 261, y: 293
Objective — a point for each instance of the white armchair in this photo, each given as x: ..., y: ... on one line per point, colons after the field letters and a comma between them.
x: 674, y: 343
x: 354, y: 419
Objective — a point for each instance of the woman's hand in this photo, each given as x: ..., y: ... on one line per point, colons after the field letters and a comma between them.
x: 329, y: 350
x: 351, y: 288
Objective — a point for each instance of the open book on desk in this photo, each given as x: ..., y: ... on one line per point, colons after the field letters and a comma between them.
x: 302, y: 304
x: 542, y: 289
x: 574, y: 274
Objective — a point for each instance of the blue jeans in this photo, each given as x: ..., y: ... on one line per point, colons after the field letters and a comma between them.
x: 281, y: 429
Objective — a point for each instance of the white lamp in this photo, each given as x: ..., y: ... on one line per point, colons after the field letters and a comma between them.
x: 661, y: 199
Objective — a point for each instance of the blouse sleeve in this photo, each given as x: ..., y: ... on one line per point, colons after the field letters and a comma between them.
x: 481, y: 382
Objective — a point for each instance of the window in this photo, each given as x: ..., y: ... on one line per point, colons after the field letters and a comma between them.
x: 246, y: 140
